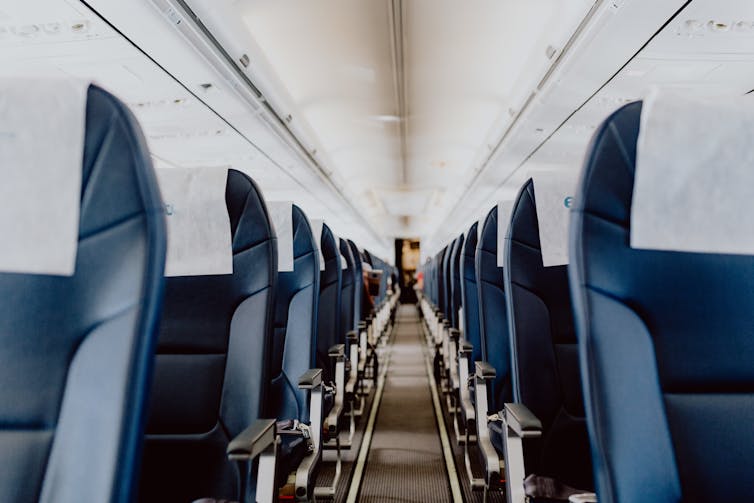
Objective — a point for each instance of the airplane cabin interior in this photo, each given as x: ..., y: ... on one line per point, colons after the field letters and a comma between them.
x: 347, y: 251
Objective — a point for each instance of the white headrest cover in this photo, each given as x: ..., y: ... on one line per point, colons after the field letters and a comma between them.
x: 553, y: 193
x: 317, y: 225
x: 42, y: 128
x: 504, y: 210
x: 281, y: 214
x: 694, y: 175
x: 343, y: 261
x: 199, y: 240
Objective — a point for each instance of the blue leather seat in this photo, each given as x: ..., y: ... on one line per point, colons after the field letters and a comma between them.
x: 666, y: 343
x: 545, y: 354
x: 469, y: 294
x: 294, y: 343
x: 211, y: 361
x: 348, y: 293
x: 455, y: 280
x: 296, y: 304
x: 493, y: 318
x: 76, y: 352
x: 328, y: 319
x: 358, y: 282
x: 440, y: 280
x: 447, y: 306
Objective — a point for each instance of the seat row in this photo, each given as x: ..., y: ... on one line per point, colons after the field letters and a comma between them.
x: 627, y: 371
x: 117, y: 382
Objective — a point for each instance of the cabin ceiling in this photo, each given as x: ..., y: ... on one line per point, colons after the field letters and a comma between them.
x: 399, y: 118
x: 402, y: 96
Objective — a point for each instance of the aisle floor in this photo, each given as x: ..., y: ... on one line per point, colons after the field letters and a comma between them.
x: 405, y: 460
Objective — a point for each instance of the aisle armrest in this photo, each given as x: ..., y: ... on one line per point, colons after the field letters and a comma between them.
x: 305, y: 473
x: 518, y: 423
x: 352, y: 338
x: 338, y: 354
x: 310, y: 379
x: 484, y: 372
x: 522, y: 421
x: 253, y: 440
x: 465, y: 347
x: 337, y: 350
x: 467, y: 407
x: 257, y: 441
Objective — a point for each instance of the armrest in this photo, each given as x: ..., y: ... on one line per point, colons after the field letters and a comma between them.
x: 352, y: 337
x: 583, y: 498
x: 455, y: 334
x: 464, y: 347
x: 252, y: 441
x: 310, y: 379
x: 338, y: 350
x: 484, y: 371
x: 521, y: 420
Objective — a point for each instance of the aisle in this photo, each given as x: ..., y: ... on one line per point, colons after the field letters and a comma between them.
x: 405, y: 461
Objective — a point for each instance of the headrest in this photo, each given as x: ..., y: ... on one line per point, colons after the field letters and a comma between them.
x: 472, y: 236
x: 199, y: 231
x: 317, y: 225
x: 42, y: 127
x: 504, y: 210
x: 553, y: 191
x: 339, y: 243
x: 355, y: 255
x: 281, y: 215
x: 346, y: 255
x: 459, y: 249
x: 694, y: 177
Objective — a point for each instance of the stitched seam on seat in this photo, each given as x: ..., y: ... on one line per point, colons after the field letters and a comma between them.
x: 621, y: 147
x: 112, y: 226
x: 246, y: 249
x: 605, y: 219
x: 97, y: 161
x: 188, y: 353
x: 525, y: 245
x: 18, y: 427
x: 180, y: 436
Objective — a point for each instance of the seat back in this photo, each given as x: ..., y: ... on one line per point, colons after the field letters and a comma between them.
x: 76, y: 351
x: 455, y: 280
x: 328, y: 319
x: 666, y: 344
x: 440, y: 280
x: 210, y: 364
x: 347, y: 295
x: 358, y: 283
x: 293, y: 350
x: 545, y: 354
x: 447, y: 307
x: 469, y: 294
x: 493, y: 319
